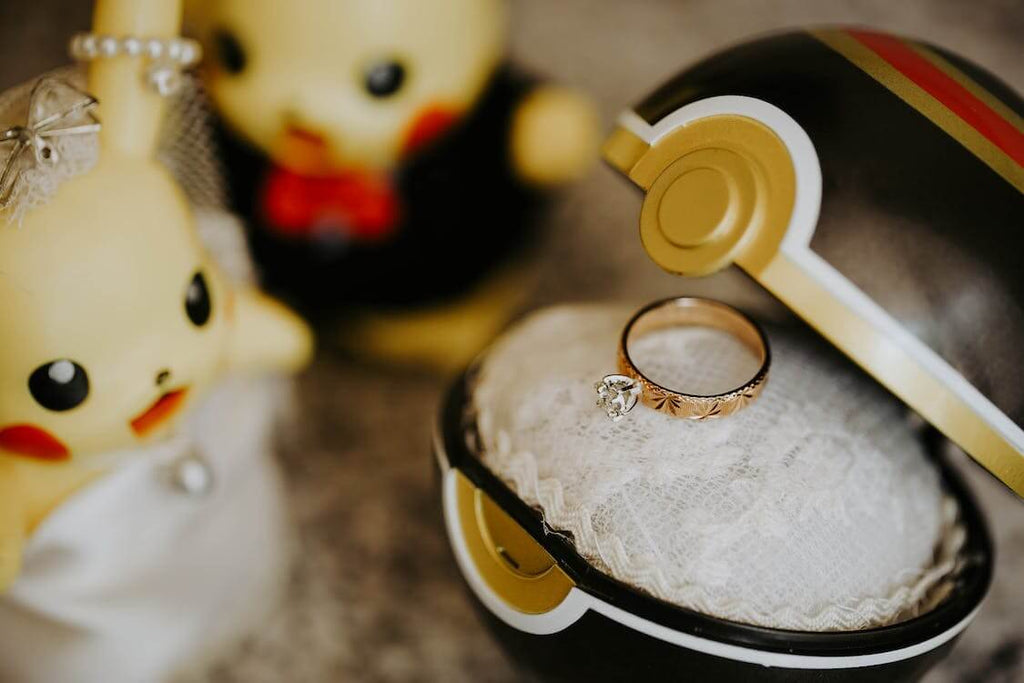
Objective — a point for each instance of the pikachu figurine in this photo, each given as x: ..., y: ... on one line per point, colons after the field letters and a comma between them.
x: 391, y: 163
x: 141, y: 516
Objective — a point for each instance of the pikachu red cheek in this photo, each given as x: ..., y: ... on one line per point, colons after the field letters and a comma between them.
x: 429, y: 124
x: 33, y: 442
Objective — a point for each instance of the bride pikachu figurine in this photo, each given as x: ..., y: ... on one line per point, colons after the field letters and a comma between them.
x: 140, y: 512
x: 391, y: 163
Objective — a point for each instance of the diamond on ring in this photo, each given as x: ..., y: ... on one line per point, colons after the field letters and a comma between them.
x: 617, y: 395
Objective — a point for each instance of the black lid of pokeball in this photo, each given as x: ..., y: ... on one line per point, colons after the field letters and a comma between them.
x: 875, y: 185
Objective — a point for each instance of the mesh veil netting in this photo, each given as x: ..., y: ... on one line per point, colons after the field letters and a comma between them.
x: 186, y: 148
x: 814, y: 509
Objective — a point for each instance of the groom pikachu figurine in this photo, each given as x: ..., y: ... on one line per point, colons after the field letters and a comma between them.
x: 116, y: 321
x: 391, y: 164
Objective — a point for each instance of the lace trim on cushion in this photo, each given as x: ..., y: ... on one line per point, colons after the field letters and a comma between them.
x: 608, y: 554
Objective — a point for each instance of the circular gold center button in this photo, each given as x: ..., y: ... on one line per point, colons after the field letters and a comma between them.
x: 694, y: 206
x: 718, y: 189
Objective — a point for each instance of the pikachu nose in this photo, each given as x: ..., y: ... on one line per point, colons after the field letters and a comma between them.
x: 162, y: 376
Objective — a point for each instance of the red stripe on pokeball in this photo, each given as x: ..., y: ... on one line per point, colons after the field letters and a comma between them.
x: 955, y: 97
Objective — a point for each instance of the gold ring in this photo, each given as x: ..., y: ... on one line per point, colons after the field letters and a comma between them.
x: 619, y: 394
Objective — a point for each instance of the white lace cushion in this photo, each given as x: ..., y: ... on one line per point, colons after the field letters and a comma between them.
x: 815, y: 508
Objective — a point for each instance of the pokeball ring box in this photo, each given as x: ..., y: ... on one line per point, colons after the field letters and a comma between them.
x: 873, y: 185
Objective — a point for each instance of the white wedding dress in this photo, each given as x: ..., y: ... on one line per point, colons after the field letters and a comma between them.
x: 135, y: 578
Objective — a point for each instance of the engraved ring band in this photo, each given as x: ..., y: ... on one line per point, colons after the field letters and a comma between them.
x: 619, y: 394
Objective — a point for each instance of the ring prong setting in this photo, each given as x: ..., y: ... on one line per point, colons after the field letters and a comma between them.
x: 617, y: 395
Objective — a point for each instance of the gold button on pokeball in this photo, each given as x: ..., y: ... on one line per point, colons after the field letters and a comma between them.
x: 508, y: 543
x: 704, y: 196
x: 512, y: 564
x: 715, y: 188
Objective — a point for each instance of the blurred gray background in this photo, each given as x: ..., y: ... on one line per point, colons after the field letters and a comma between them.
x: 376, y: 597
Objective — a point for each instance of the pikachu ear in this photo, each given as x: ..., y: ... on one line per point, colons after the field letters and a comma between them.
x: 131, y: 112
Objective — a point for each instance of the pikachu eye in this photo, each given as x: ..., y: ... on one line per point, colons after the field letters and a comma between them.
x: 197, y: 300
x: 59, y: 385
x: 229, y: 52
x: 384, y: 78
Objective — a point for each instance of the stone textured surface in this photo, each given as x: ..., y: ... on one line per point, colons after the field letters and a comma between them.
x: 376, y: 597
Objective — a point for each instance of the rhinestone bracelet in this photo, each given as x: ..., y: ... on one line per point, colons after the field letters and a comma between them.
x: 167, y: 56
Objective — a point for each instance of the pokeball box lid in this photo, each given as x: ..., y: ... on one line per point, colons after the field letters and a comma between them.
x: 875, y: 186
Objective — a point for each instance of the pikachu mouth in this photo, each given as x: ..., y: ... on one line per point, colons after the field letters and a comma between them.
x: 304, y: 151
x: 306, y: 136
x: 162, y: 409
